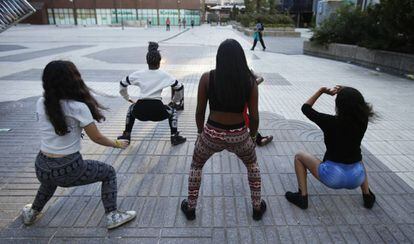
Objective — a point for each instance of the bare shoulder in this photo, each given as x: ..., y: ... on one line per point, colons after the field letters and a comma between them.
x: 205, y: 77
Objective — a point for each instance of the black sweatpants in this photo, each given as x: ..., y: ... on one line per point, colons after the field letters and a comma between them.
x: 151, y: 110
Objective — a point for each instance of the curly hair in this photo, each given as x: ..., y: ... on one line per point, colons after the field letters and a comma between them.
x: 62, y: 80
x: 153, y: 55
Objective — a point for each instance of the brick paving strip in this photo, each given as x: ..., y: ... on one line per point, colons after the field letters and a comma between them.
x: 152, y: 177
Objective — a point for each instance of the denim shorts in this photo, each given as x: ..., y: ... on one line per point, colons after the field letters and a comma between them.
x: 338, y: 175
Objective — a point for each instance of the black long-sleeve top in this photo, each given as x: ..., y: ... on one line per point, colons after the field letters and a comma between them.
x: 342, y: 138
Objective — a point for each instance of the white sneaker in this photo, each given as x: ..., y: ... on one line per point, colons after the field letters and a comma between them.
x: 117, y: 218
x: 29, y: 215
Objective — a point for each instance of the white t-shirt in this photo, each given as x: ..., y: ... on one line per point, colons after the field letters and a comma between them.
x: 77, y: 115
x: 151, y: 83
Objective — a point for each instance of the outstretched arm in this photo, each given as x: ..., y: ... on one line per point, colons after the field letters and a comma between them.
x: 201, y: 102
x: 95, y: 135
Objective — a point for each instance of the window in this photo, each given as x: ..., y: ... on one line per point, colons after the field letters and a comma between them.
x: 148, y: 14
x: 191, y: 15
x: 50, y: 16
x: 126, y: 14
x: 168, y: 13
x: 86, y: 16
x: 104, y: 16
x: 64, y: 16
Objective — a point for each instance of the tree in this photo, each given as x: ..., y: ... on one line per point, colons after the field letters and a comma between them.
x: 250, y: 6
x: 272, y: 6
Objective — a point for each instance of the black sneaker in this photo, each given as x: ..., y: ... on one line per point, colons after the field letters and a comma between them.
x: 257, y: 214
x: 189, y: 213
x: 369, y: 199
x: 297, y: 199
x: 177, y: 139
x: 125, y: 136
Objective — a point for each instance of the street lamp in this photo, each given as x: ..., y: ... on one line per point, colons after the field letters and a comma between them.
x: 122, y: 15
x: 75, y: 15
x: 178, y: 6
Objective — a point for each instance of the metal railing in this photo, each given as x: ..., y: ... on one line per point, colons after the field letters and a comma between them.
x: 13, y: 11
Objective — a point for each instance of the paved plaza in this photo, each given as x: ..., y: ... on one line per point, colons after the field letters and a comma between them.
x: 152, y: 175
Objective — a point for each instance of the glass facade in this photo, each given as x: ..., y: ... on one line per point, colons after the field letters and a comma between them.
x: 50, y: 16
x: 148, y: 14
x: 126, y: 14
x: 65, y: 16
x: 191, y: 15
x: 168, y: 13
x: 85, y: 16
x: 105, y: 16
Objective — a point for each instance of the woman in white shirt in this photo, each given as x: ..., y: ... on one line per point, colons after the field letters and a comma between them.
x: 67, y: 108
x: 149, y: 106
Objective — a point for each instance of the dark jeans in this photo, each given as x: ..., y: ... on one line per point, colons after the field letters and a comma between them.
x: 151, y: 110
x: 261, y: 41
x: 72, y: 170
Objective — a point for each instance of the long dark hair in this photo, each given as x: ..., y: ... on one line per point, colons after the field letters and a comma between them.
x: 62, y: 80
x: 351, y: 106
x: 233, y: 78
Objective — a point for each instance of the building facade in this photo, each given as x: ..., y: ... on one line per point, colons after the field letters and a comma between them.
x: 112, y: 12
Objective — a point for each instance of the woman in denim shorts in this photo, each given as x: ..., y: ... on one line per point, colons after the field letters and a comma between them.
x: 341, y: 167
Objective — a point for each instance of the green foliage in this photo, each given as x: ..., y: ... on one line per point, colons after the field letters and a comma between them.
x: 269, y: 20
x: 272, y: 6
x: 386, y: 26
x: 250, y: 6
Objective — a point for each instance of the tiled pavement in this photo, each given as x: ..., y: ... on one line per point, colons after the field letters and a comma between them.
x: 152, y: 175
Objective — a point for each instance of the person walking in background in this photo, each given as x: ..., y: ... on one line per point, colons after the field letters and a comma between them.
x: 64, y: 111
x: 167, y: 24
x: 149, y: 22
x: 341, y: 167
x: 184, y: 22
x: 179, y: 23
x: 258, y: 35
x: 227, y: 89
x: 192, y: 23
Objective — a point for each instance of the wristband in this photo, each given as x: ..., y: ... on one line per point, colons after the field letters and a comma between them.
x: 118, y: 144
x: 254, y: 137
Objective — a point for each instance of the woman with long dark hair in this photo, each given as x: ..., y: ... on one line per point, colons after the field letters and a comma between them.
x: 341, y: 167
x: 227, y: 89
x: 65, y: 109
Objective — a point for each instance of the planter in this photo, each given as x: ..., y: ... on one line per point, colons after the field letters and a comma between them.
x: 392, y: 62
x: 277, y: 32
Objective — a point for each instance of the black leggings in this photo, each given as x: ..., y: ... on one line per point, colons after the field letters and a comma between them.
x: 261, y: 41
x: 72, y: 170
x: 151, y: 110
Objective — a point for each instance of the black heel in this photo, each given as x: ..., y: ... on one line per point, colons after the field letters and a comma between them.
x: 189, y: 213
x: 369, y: 199
x: 258, y: 214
